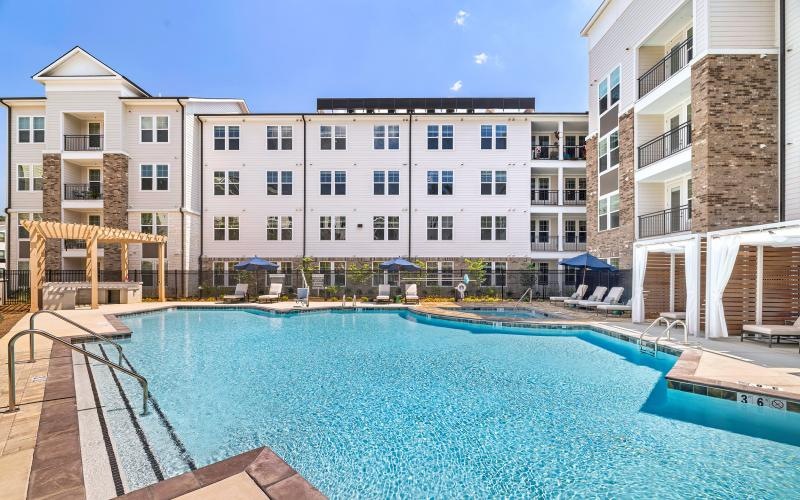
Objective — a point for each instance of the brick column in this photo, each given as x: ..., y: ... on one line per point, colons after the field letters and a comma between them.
x: 734, y: 141
x: 52, y: 189
x: 115, y: 204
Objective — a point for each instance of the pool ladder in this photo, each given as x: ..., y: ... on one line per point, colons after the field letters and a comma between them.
x: 344, y: 300
x: 529, y: 293
x: 651, y: 346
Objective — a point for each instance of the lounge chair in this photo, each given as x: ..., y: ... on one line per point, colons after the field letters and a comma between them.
x: 383, y: 293
x: 578, y: 295
x: 596, y: 296
x: 673, y: 315
x: 411, y: 294
x: 788, y: 330
x: 239, y: 295
x: 302, y: 298
x: 614, y: 295
x: 620, y: 308
x: 274, y: 294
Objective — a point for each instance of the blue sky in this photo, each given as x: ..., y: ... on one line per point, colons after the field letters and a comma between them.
x: 280, y: 56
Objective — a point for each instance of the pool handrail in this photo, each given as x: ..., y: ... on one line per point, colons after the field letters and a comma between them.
x: 529, y: 293
x: 94, y: 334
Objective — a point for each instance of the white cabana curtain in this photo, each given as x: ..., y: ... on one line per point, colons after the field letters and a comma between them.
x: 722, y: 254
x: 639, y: 269
x: 691, y: 259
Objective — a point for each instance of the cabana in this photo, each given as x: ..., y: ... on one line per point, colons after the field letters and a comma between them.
x: 665, y: 272
x: 40, y: 231
x: 753, y: 277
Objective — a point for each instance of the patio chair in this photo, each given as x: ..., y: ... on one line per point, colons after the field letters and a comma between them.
x: 302, y: 298
x: 578, y: 295
x: 614, y: 295
x: 596, y: 296
x: 383, y: 293
x: 274, y: 294
x: 614, y: 308
x: 411, y: 293
x: 239, y: 295
x: 673, y: 315
x: 788, y: 330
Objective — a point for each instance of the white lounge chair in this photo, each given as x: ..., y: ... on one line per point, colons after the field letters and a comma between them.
x: 411, y: 293
x: 302, y: 298
x: 274, y: 294
x: 620, y: 308
x: 673, y: 315
x: 239, y: 295
x: 596, y: 296
x: 788, y: 330
x: 578, y: 295
x: 614, y: 295
x: 383, y: 293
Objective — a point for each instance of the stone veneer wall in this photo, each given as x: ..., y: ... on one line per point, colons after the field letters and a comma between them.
x: 51, y: 204
x: 734, y: 112
x: 115, y: 203
x: 616, y: 242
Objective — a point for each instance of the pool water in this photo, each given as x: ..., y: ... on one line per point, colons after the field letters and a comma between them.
x: 502, y: 313
x: 390, y: 404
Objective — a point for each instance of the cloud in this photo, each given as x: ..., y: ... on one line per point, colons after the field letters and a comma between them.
x: 481, y: 58
x: 456, y: 86
x: 461, y: 17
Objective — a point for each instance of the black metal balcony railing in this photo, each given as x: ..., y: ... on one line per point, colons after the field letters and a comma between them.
x: 82, y: 192
x: 574, y: 246
x: 544, y: 152
x: 575, y: 197
x: 74, y: 244
x: 671, y: 220
x: 673, y: 62
x: 574, y: 152
x: 544, y: 246
x: 667, y: 144
x: 91, y: 142
x: 544, y: 197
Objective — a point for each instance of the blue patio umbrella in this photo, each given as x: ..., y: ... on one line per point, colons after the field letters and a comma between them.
x: 398, y: 264
x: 587, y: 261
x: 256, y: 264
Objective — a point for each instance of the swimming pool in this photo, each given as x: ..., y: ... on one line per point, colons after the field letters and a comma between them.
x: 504, y: 312
x: 379, y: 404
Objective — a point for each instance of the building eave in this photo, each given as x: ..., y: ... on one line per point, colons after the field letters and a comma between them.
x: 597, y: 14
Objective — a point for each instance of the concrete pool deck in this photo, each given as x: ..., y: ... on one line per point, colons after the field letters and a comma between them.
x: 727, y: 363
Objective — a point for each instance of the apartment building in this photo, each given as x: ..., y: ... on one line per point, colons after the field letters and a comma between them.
x: 356, y: 180
x: 683, y: 121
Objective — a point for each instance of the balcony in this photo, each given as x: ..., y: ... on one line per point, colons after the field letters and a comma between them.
x: 83, y: 192
x: 91, y: 142
x: 665, y: 145
x: 574, y: 246
x: 671, y: 220
x: 74, y: 245
x: 674, y: 61
x: 572, y: 197
x: 545, y: 246
x: 545, y: 152
x: 574, y: 152
x: 551, y: 245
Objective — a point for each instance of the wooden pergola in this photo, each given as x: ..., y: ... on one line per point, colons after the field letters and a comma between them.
x: 41, y: 231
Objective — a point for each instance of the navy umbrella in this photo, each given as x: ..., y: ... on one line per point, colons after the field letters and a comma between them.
x: 587, y: 261
x: 398, y: 264
x: 256, y: 264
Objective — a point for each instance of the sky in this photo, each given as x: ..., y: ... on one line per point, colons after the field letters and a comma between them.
x: 281, y: 55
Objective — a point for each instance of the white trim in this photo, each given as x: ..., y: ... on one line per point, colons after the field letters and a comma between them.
x: 31, y: 130
x: 439, y: 136
x: 155, y: 178
x: 385, y: 137
x: 279, y: 138
x: 155, y: 129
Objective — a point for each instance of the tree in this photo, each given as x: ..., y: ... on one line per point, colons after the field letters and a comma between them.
x: 476, y: 269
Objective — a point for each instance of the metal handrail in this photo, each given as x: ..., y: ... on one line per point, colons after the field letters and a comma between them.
x: 665, y: 145
x: 671, y: 220
x: 666, y: 331
x: 529, y: 293
x: 12, y: 381
x: 96, y: 335
x: 680, y: 55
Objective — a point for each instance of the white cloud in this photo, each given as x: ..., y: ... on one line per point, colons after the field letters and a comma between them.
x: 461, y: 17
x: 456, y: 86
x: 481, y: 58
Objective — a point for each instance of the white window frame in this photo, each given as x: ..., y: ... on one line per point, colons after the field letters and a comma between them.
x: 280, y: 137
x: 35, y: 216
x: 606, y: 199
x: 334, y: 135
x: 226, y: 228
x: 30, y: 178
x: 607, y: 139
x: 440, y: 137
x: 226, y: 138
x: 154, y: 178
x: 385, y: 137
x: 493, y: 136
x: 31, y: 130
x: 389, y: 223
x: 607, y: 80
x: 494, y: 227
x: 282, y: 223
x: 226, y: 182
x: 155, y: 129
x: 154, y: 225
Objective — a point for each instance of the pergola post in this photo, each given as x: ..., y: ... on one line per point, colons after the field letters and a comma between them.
x: 91, y: 269
x: 162, y: 290
x: 760, y: 284
x: 123, y: 265
x: 36, y: 267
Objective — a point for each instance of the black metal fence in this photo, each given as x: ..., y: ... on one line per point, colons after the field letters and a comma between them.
x: 671, y: 220
x: 507, y: 285
x: 666, y: 144
x: 674, y: 61
x: 83, y: 192
x: 91, y: 142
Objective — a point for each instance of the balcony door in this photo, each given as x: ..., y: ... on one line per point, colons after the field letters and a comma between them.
x: 674, y: 135
x: 675, y: 209
x: 542, y: 189
x: 94, y: 135
x: 95, y: 183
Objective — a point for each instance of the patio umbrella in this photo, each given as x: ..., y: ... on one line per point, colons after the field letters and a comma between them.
x: 587, y: 261
x: 398, y: 264
x: 256, y: 264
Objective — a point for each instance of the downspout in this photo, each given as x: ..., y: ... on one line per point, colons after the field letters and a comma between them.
x: 409, y: 184
x: 202, y: 181
x: 305, y: 191
x: 782, y: 115
x: 183, y: 186
x: 8, y: 199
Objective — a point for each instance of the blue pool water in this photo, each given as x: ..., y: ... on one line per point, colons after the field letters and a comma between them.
x: 388, y: 404
x: 501, y: 313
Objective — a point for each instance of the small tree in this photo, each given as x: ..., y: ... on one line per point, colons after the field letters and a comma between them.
x: 359, y: 275
x: 476, y: 269
x: 307, y: 267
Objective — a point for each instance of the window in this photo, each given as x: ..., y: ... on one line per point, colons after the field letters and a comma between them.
x: 380, y: 134
x: 272, y: 182
x: 486, y: 182
x: 272, y: 228
x: 433, y: 182
x: 29, y: 177
x: 495, y: 274
x: 226, y: 137
x: 226, y: 228
x: 339, y: 228
x: 394, y: 182
x: 279, y: 137
x: 153, y: 223
x: 325, y: 228
x: 499, y: 229
x: 286, y: 228
x: 30, y: 129
x: 446, y: 136
x: 22, y: 233
x: 94, y: 220
x: 154, y: 175
x: 608, y: 151
x: 339, y: 137
x: 154, y: 127
x: 222, y: 270
x: 574, y: 231
x: 226, y: 183
x: 285, y: 184
x: 486, y: 227
x: 614, y: 261
x: 607, y: 98
x: 340, y: 182
x: 446, y: 227
x: 335, y: 183
x: 433, y: 227
x: 608, y: 212
x: 446, y: 186
x: 499, y: 182
x: 500, y: 136
x: 325, y: 182
x: 385, y: 228
x: 378, y: 182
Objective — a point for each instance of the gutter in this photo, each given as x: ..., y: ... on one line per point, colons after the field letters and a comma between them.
x: 202, y: 181
x: 305, y: 191
x: 782, y: 115
x: 409, y: 185
x: 8, y: 199
x: 183, y: 184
